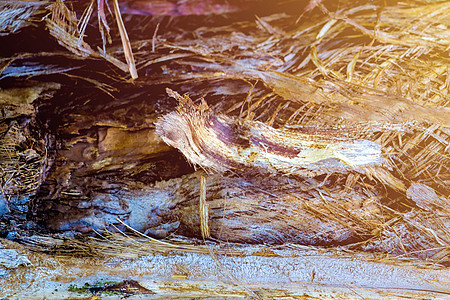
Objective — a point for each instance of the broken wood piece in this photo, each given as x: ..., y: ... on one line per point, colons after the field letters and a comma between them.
x: 219, y: 143
x: 203, y: 208
x: 125, y: 42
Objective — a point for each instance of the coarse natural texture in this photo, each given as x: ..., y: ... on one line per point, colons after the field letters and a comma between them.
x: 253, y: 210
x: 82, y: 270
x: 376, y: 72
x: 15, y: 15
x: 219, y: 143
x: 22, y: 155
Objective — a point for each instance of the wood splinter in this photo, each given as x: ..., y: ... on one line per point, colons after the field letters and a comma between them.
x: 219, y: 143
x: 203, y: 212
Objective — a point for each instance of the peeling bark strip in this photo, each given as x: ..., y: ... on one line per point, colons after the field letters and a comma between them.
x: 220, y: 143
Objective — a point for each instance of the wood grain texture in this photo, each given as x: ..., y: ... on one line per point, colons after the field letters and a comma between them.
x: 220, y: 143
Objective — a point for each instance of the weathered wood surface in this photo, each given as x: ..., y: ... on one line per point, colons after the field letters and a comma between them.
x: 268, y: 210
x: 298, y: 273
x: 252, y: 210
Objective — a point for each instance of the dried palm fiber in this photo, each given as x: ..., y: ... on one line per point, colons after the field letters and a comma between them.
x: 412, y: 234
x: 267, y: 271
x: 261, y: 209
x: 282, y: 47
x: 392, y: 43
x: 317, y: 98
x: 218, y: 144
x: 270, y: 32
x: 64, y: 25
x: 409, y: 121
x: 17, y: 14
x: 282, y: 64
